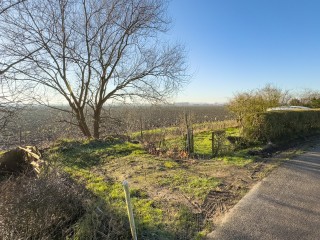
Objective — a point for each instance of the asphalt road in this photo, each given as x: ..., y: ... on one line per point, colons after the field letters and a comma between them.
x: 285, y: 205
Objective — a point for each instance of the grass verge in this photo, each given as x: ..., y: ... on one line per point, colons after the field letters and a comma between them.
x: 170, y: 196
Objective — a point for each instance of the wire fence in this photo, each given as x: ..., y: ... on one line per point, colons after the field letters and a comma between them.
x: 192, y: 141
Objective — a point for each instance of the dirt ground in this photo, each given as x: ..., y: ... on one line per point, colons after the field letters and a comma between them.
x: 233, y: 181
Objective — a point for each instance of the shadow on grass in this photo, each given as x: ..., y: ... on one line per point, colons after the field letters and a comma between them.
x: 106, y: 216
x: 29, y: 204
x: 103, y: 221
x: 86, y: 154
x: 152, y: 218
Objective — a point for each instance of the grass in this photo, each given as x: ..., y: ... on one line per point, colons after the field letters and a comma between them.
x: 233, y: 131
x: 237, y: 160
x: 193, y: 185
x: 167, y: 194
x: 90, y: 162
x: 198, y: 127
x: 203, y: 142
x: 240, y: 158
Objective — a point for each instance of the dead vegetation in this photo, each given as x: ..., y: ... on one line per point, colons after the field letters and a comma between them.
x: 173, y: 199
x: 39, y: 208
x: 53, y: 206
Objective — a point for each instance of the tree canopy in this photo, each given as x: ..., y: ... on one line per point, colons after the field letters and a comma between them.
x: 91, y: 52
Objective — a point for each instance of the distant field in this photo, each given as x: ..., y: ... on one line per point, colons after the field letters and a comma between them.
x: 173, y: 196
x: 40, y: 125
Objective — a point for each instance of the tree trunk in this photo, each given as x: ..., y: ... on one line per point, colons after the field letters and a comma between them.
x: 96, y: 122
x: 83, y: 123
x: 84, y: 128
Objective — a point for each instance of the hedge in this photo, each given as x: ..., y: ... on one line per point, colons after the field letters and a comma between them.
x: 278, y: 126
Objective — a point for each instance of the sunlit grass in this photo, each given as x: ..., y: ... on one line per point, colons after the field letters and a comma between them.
x: 192, y: 185
x: 203, y: 143
x: 87, y: 161
x: 237, y: 160
x: 159, y: 187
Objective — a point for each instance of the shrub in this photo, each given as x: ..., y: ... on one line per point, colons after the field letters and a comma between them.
x: 278, y: 126
x: 39, y: 208
x: 246, y: 105
x: 54, y: 206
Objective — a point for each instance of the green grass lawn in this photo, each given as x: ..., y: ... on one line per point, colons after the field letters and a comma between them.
x: 103, y: 166
x: 167, y: 194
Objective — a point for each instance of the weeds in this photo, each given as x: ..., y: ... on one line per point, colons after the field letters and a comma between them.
x: 40, y: 208
x: 166, y: 193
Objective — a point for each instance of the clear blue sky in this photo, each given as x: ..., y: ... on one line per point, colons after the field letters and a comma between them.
x: 238, y: 45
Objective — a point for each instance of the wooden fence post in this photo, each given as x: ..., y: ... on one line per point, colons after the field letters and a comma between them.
x: 130, y: 211
x: 189, y: 136
x: 189, y: 141
x: 141, y: 129
x: 212, y: 143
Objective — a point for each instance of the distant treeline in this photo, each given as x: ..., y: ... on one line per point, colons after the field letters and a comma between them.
x: 38, y: 124
x: 134, y: 118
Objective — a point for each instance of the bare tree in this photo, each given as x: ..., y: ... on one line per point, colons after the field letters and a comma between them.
x: 5, y: 5
x: 7, y: 109
x: 6, y: 64
x: 9, y: 103
x: 247, y: 104
x: 91, y: 52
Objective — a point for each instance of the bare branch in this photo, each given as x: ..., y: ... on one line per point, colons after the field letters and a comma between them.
x: 6, y: 5
x: 91, y: 52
